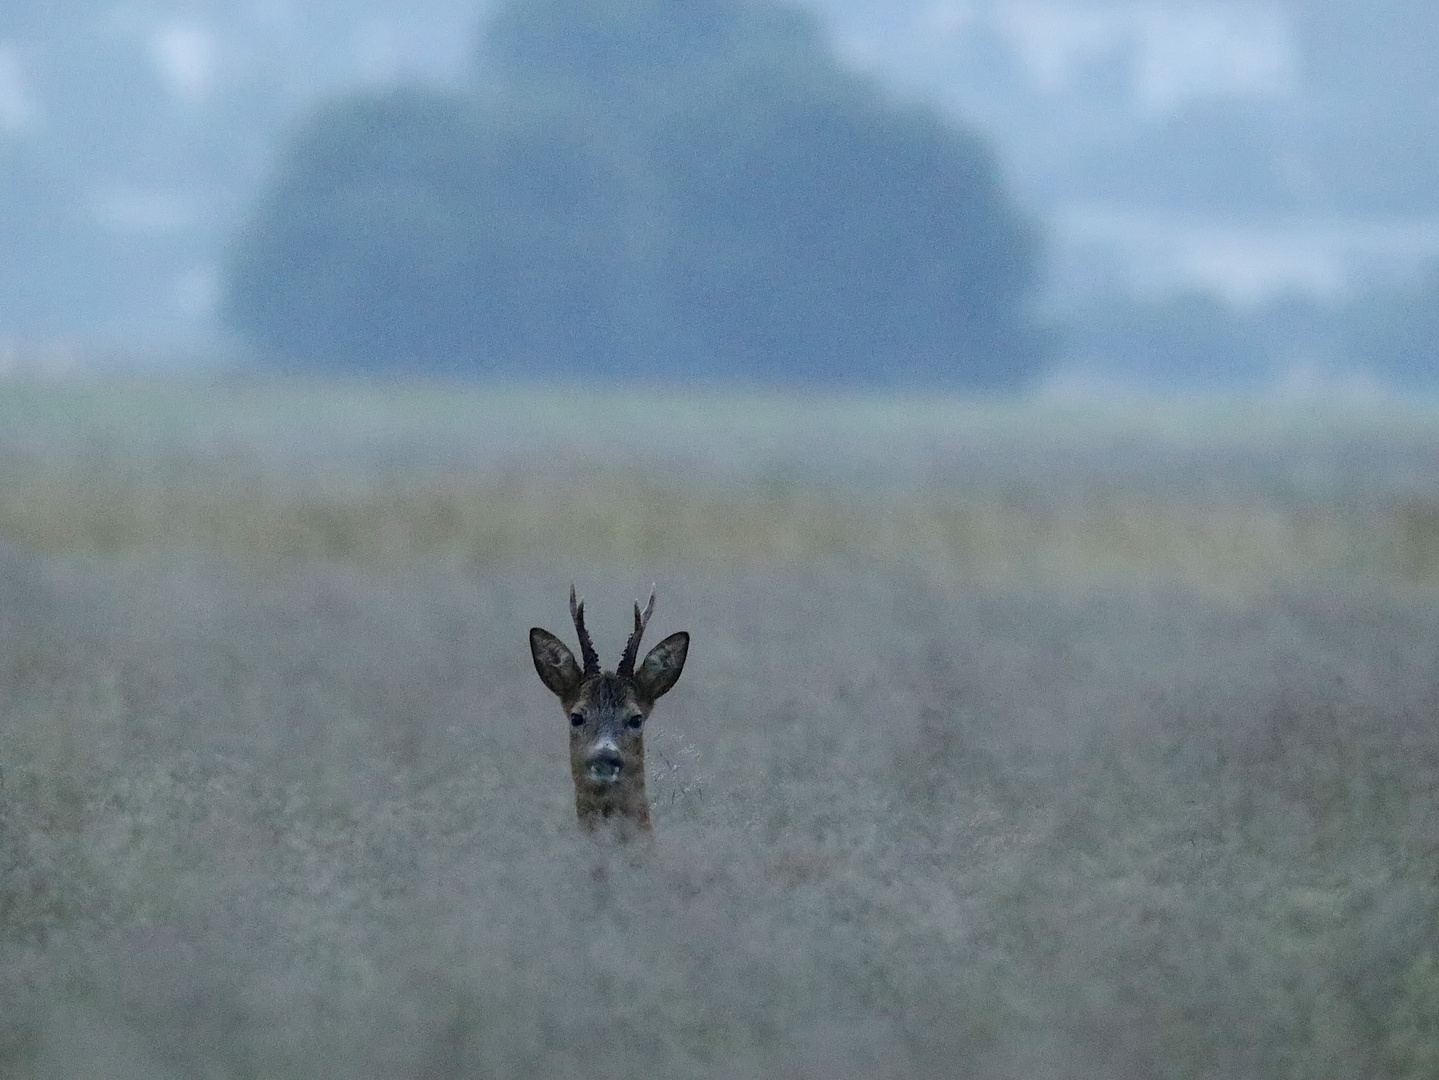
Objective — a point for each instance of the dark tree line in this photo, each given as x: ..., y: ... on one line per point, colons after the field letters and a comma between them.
x: 641, y: 187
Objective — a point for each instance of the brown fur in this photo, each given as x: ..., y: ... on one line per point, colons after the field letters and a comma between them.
x: 607, y: 713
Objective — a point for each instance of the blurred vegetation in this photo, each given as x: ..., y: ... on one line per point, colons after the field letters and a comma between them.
x: 1388, y: 333
x: 1221, y: 492
x: 697, y: 190
x: 1191, y: 341
x: 1395, y: 332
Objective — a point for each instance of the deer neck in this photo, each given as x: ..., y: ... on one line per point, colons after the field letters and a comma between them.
x: 623, y: 802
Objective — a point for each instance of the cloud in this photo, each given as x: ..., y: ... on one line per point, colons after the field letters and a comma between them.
x: 1174, y: 52
x: 184, y: 54
x: 18, y: 110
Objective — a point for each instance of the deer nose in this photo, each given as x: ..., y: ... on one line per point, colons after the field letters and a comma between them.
x: 604, y: 766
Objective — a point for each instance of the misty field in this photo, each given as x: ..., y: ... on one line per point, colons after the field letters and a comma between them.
x: 1019, y: 738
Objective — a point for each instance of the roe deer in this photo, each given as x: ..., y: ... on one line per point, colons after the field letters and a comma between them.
x: 607, y: 711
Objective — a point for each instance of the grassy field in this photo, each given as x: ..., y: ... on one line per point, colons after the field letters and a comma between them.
x: 1019, y: 738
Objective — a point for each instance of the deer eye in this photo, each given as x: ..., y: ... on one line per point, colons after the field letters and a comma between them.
x: 634, y: 722
x: 577, y: 719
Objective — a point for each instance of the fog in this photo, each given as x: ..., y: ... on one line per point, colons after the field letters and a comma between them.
x: 1026, y: 408
x: 1252, y: 154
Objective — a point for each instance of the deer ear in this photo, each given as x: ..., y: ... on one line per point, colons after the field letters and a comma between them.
x: 555, y: 663
x: 662, y: 667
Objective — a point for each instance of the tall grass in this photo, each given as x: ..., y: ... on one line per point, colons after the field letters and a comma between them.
x: 1233, y: 492
x: 1014, y: 742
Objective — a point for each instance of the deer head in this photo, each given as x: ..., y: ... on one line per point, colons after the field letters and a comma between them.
x: 607, y: 713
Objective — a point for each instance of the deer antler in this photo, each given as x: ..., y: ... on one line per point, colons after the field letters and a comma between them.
x: 632, y: 647
x: 587, y: 647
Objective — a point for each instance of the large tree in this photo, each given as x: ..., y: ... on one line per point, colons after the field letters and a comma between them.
x: 411, y: 229
x: 813, y: 226
x: 678, y: 186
